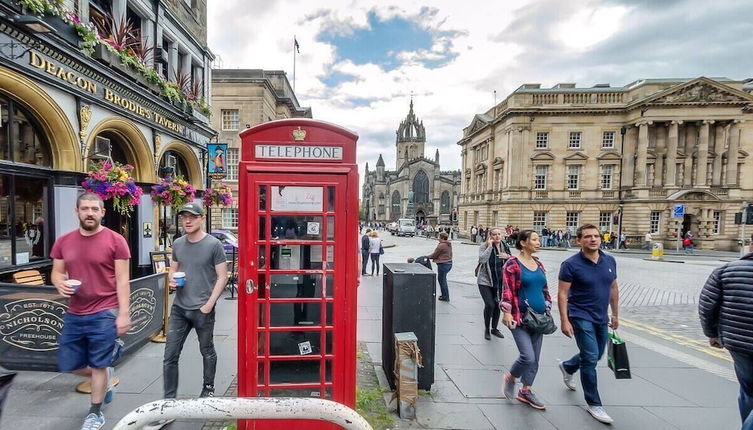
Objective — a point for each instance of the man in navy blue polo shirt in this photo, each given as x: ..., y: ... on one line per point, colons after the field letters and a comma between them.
x: 587, y: 287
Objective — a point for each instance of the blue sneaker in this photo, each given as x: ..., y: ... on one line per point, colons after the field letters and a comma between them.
x: 110, y: 393
x: 93, y: 422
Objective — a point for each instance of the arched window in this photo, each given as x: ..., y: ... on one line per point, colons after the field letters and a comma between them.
x: 395, y: 211
x: 445, y: 208
x: 179, y: 168
x: 420, y: 187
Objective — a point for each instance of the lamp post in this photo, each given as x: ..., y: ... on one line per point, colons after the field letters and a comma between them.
x: 620, y: 211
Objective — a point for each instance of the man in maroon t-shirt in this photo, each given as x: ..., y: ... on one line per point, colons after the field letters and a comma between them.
x: 98, y: 312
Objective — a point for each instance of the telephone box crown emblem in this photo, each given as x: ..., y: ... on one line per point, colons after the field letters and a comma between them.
x: 299, y: 134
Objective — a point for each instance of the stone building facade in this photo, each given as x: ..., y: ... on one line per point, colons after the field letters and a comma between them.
x: 565, y: 156
x: 241, y: 99
x: 417, y: 188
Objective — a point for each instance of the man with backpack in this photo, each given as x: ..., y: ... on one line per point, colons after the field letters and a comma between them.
x: 365, y: 243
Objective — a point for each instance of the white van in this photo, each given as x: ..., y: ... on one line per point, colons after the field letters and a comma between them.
x: 406, y: 227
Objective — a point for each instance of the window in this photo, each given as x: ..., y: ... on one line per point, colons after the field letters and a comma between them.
x: 475, y: 218
x: 605, y: 221
x: 539, y: 221
x: 573, y: 177
x: 655, y: 222
x: 420, y: 187
x: 229, y: 218
x: 572, y: 221
x: 650, y: 175
x: 717, y: 225
x: 232, y: 164
x: 465, y: 220
x: 495, y: 218
x: 607, y: 140
x: 230, y: 120
x: 539, y: 182
x: 542, y: 140
x: 574, y: 142
x: 680, y: 173
x: 395, y: 211
x: 481, y: 153
x: 498, y: 175
x: 606, y: 176
x: 444, y: 202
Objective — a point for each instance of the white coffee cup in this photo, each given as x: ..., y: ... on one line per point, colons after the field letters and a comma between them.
x: 180, y: 279
x: 74, y: 284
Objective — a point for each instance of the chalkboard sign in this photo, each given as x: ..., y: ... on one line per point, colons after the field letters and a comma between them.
x: 31, y: 320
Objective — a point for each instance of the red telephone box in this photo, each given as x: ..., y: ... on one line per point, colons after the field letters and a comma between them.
x: 298, y: 215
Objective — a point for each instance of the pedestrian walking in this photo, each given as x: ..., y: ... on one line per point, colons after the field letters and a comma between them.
x: 623, y: 239
x: 474, y: 231
x: 198, y: 275
x: 482, y: 234
x: 725, y: 308
x: 524, y: 286
x: 568, y: 237
x: 365, y: 246
x: 647, y: 241
x: 90, y: 268
x: 375, y: 251
x: 544, y: 237
x: 442, y: 256
x: 492, y: 255
x: 587, y: 287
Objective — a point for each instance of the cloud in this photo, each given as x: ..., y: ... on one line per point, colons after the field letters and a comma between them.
x: 474, y: 48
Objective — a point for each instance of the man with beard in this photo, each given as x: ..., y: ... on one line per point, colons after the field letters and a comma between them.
x: 97, y: 312
x: 201, y: 258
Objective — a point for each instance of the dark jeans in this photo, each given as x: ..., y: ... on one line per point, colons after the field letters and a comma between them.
x: 744, y: 372
x: 442, y: 270
x: 180, y: 324
x: 491, y: 306
x: 364, y: 261
x: 592, y: 340
x: 375, y: 263
x: 529, y: 345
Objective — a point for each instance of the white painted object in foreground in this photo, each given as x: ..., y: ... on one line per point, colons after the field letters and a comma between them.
x: 283, y: 408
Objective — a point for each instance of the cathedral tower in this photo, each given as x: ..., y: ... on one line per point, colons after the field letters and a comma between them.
x: 411, y: 138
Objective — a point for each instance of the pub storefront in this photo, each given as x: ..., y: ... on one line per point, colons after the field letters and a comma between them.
x: 60, y: 112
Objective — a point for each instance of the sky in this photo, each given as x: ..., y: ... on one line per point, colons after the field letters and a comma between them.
x: 360, y: 60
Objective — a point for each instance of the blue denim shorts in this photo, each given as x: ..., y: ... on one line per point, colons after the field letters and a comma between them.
x: 89, y: 341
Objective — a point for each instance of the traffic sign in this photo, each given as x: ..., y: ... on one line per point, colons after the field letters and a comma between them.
x: 678, y: 211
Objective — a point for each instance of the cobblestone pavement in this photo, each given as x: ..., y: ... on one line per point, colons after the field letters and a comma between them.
x: 656, y: 296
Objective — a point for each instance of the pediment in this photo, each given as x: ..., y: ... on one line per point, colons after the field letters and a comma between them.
x: 701, y: 90
x: 497, y: 161
x: 609, y: 155
x: 577, y: 156
x: 477, y: 123
x: 543, y: 156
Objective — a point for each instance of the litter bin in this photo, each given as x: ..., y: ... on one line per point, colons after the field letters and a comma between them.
x: 408, y: 304
x: 657, y: 250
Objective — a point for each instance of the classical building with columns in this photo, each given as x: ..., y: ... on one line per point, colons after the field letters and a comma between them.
x: 563, y: 156
x: 417, y: 188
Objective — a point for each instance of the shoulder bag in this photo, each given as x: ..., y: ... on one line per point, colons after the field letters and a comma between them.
x: 537, y: 322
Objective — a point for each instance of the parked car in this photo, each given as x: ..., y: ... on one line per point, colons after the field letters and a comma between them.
x: 228, y: 239
x: 406, y: 227
x: 392, y: 227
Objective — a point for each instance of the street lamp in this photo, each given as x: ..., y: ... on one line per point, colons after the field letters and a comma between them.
x: 620, y: 211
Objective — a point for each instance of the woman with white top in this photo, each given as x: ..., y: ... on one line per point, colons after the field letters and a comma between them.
x: 375, y: 250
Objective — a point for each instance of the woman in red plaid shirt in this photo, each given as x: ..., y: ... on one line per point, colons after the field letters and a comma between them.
x: 524, y: 285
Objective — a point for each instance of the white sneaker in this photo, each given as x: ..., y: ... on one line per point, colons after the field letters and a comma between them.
x: 567, y: 378
x: 600, y: 414
x: 156, y: 425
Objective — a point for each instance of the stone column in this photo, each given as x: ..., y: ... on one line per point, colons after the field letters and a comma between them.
x: 703, y: 154
x: 661, y: 149
x: 640, y: 163
x: 734, y: 148
x: 719, y: 136
x: 517, y: 160
x: 628, y: 158
x: 673, y: 140
x: 690, y: 141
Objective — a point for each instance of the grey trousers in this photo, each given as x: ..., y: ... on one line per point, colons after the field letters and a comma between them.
x: 529, y: 345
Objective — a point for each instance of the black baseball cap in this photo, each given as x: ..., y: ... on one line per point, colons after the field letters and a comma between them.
x: 193, y: 208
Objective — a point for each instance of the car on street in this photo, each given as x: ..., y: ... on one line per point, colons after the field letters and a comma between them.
x: 406, y: 227
x: 228, y: 239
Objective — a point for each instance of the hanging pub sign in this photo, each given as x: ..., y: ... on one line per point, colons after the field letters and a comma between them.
x: 217, y: 160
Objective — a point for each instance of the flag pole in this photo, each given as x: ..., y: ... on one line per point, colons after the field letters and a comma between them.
x: 295, y: 44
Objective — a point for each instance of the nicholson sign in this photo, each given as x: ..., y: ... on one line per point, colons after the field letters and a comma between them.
x: 299, y: 152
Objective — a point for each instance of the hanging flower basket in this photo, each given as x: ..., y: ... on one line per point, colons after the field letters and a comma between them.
x: 220, y: 194
x: 111, y: 180
x: 173, y: 191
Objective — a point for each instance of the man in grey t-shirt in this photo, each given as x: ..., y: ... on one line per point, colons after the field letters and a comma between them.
x: 201, y: 257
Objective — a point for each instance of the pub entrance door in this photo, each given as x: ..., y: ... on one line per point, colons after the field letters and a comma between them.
x: 294, y: 306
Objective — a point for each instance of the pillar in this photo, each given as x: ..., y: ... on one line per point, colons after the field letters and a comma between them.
x: 642, y: 153
x: 719, y: 136
x: 690, y: 142
x: 703, y: 154
x: 734, y: 148
x: 661, y: 149
x: 517, y: 159
x: 628, y: 158
x: 673, y: 139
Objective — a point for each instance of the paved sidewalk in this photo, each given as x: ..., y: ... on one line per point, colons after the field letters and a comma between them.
x: 48, y: 401
x: 664, y: 393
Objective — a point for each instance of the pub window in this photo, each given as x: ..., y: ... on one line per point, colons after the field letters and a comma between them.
x: 230, y: 120
x: 232, y: 164
x: 229, y: 218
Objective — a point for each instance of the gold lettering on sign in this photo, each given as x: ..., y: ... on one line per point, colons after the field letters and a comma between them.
x: 164, y: 122
x: 130, y: 105
x: 36, y: 60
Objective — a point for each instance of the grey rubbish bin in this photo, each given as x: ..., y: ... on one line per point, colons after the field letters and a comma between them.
x: 408, y: 304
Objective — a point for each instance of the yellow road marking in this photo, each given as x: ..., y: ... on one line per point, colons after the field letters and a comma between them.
x: 694, y: 344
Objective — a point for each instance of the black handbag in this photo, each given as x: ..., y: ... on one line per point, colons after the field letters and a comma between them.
x: 538, y: 322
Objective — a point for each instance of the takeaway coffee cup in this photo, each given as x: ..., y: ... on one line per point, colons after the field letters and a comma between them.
x: 180, y: 278
x: 74, y: 283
